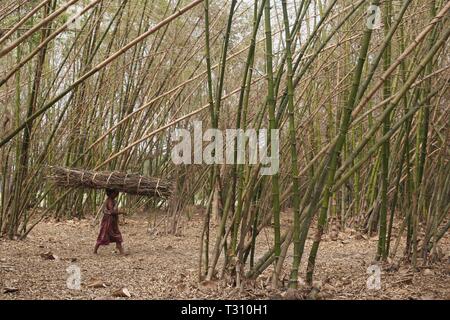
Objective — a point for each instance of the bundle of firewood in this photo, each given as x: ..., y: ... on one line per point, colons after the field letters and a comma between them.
x: 123, y: 182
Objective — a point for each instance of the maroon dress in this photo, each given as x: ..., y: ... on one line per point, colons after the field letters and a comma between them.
x: 109, y: 228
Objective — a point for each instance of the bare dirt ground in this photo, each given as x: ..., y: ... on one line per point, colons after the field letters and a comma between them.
x: 161, y: 266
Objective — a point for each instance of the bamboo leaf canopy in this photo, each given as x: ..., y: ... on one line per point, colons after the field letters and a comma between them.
x: 130, y: 183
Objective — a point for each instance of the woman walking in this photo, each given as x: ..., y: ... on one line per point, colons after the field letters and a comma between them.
x: 109, y: 228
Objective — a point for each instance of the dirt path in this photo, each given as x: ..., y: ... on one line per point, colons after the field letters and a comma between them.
x: 165, y: 267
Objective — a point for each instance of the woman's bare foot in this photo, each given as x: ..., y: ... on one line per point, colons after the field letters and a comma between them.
x: 120, y: 248
x: 95, y: 249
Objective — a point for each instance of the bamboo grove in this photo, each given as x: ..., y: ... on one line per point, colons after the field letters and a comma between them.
x: 363, y: 114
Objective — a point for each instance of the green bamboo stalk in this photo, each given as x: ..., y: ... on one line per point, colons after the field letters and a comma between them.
x: 381, y: 250
x: 292, y: 135
x: 272, y: 126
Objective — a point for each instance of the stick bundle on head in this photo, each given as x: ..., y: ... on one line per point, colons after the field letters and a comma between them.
x: 123, y: 182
